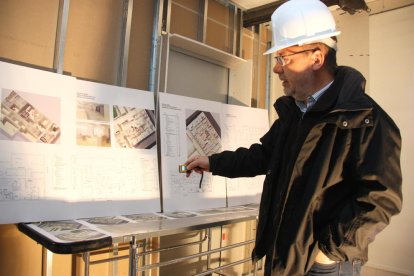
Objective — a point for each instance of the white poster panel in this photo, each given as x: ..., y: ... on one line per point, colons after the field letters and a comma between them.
x: 189, y: 126
x: 36, y: 111
x: 242, y: 127
x: 70, y: 149
x: 116, y: 154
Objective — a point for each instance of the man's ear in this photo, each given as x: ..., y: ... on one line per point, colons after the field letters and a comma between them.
x: 318, y: 60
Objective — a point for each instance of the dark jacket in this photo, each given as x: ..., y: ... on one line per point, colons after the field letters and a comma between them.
x: 333, y: 177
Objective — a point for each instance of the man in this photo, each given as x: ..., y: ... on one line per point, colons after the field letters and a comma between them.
x: 331, y: 159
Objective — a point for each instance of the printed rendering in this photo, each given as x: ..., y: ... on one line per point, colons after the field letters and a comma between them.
x: 203, y: 133
x: 21, y: 120
x: 91, y: 134
x: 134, y: 127
x: 92, y: 111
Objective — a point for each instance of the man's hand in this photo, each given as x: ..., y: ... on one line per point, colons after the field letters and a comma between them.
x: 198, y: 164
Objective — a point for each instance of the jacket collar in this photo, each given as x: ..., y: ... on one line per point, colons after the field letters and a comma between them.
x: 345, y: 94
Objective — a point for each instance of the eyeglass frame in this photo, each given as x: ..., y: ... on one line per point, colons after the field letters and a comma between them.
x: 281, y: 61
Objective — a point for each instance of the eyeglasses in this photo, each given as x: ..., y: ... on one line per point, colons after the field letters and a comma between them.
x: 281, y: 59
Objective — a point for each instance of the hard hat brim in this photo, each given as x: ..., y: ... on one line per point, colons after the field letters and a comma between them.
x: 321, y: 38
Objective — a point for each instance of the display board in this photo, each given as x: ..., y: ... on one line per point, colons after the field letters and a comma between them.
x: 242, y: 127
x: 189, y: 127
x: 71, y: 148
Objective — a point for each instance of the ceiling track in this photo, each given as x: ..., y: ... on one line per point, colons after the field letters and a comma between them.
x: 262, y: 14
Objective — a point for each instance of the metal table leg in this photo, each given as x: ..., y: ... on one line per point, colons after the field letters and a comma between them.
x: 47, y: 260
x: 132, y: 257
x: 209, y: 248
x: 86, y: 259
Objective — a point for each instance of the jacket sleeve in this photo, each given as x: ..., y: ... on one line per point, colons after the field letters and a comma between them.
x: 245, y: 162
x: 376, y: 174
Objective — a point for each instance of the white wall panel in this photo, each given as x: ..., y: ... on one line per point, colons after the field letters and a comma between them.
x: 392, y: 80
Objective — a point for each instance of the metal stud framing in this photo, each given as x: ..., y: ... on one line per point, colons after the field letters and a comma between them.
x: 124, y: 44
x: 60, y: 41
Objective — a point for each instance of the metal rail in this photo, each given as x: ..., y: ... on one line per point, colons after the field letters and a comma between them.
x: 209, y: 271
x: 174, y: 247
x: 177, y: 260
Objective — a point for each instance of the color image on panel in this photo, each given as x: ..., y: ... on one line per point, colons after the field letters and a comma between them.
x: 134, y: 127
x: 92, y: 111
x: 24, y: 120
x: 203, y: 133
x: 92, y: 126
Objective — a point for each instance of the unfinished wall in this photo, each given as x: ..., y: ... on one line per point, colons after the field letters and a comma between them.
x: 93, y: 40
x: 185, y: 18
x: 27, y: 35
x: 18, y: 41
x: 392, y: 80
x: 220, y: 27
x: 92, y: 52
x: 140, y: 44
x: 254, y: 44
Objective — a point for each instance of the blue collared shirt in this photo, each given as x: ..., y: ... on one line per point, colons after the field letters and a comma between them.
x: 309, y: 102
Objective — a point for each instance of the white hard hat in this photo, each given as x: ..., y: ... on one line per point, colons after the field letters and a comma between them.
x: 299, y: 22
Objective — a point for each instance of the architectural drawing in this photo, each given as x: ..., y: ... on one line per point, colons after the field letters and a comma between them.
x: 57, y: 226
x: 144, y: 217
x: 106, y: 220
x: 134, y: 127
x: 21, y: 118
x: 203, y: 133
x: 79, y: 235
x: 22, y: 176
x: 177, y: 214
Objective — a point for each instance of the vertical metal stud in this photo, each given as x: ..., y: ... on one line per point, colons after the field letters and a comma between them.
x: 256, y: 50
x: 166, y: 16
x: 234, y: 33
x: 268, y: 77
x: 60, y: 40
x: 124, y: 45
x: 202, y: 22
x: 239, y: 33
x: 155, y: 44
x: 259, y: 63
x: 164, y: 58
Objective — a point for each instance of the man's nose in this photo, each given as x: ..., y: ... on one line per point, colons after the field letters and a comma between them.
x: 278, y: 69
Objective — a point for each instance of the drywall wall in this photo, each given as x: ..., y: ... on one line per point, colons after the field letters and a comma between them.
x: 391, y: 77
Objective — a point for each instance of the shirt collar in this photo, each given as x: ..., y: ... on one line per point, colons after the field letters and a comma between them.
x: 307, y: 104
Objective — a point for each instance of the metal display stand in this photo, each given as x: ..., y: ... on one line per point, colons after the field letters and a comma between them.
x: 137, y: 236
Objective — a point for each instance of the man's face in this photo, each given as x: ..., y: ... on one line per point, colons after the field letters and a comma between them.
x: 296, y: 74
